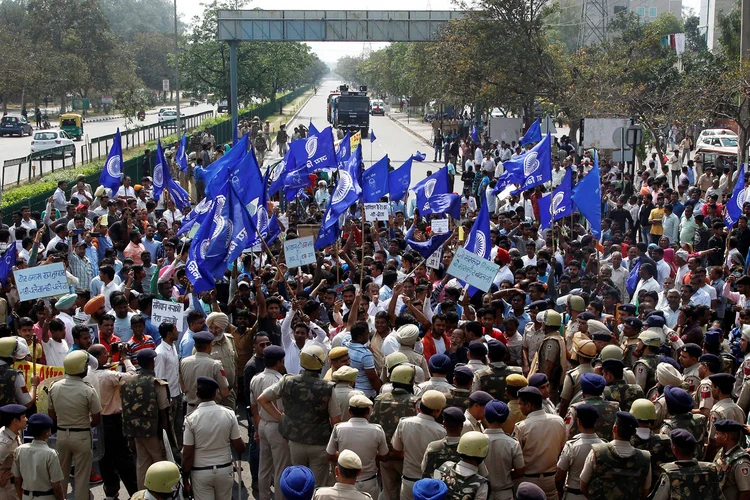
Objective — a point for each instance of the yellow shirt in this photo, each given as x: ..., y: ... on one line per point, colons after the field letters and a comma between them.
x: 656, y: 217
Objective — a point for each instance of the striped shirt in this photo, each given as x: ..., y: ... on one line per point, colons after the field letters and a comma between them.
x: 133, y: 346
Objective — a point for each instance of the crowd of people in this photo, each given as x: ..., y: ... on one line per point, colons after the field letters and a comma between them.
x: 589, y: 369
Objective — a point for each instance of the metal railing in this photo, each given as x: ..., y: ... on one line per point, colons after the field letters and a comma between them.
x: 37, y: 164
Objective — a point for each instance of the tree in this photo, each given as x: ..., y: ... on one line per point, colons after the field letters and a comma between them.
x: 153, y: 54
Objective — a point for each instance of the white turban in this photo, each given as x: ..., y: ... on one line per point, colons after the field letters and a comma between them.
x: 219, y: 319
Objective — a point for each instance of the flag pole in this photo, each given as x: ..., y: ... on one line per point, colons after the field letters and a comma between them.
x: 270, y: 255
x: 362, y: 260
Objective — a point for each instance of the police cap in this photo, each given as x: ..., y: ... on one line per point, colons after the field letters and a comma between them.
x: 208, y: 381
x: 593, y: 384
x: 693, y: 350
x: 530, y: 395
x: 345, y: 374
x: 682, y: 439
x: 274, y: 353
x: 145, y: 355
x: 455, y: 415
x: 722, y: 381
x: 434, y: 400
x: 480, y: 398
x: 678, y: 400
x: 203, y: 337
x: 530, y: 491
x: 496, y: 412
x: 538, y: 379
x: 439, y: 363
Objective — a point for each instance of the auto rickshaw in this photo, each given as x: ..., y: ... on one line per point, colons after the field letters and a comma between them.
x: 72, y: 124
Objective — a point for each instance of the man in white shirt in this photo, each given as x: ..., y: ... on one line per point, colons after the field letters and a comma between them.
x: 295, y: 334
x: 58, y: 198
x: 557, y: 175
x: 700, y: 296
x: 680, y: 258
x: 672, y: 309
x: 647, y: 281
x: 61, y: 236
x: 66, y: 309
x: 167, y: 367
x: 662, y: 268
x: 126, y: 190
x: 55, y: 347
x: 671, y: 225
x: 488, y: 164
x: 619, y: 274
x: 478, y: 155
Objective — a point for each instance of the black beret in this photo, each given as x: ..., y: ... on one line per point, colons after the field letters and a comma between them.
x: 208, y: 381
x: 693, y: 350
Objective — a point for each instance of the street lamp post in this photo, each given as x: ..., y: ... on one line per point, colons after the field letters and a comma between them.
x: 177, y: 68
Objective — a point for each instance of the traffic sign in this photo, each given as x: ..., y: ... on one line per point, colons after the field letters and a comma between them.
x: 165, y: 85
x: 617, y: 153
x: 634, y: 135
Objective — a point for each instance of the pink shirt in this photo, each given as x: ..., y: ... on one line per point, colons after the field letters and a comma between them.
x: 133, y: 251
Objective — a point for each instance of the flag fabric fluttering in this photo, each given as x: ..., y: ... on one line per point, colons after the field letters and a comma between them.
x: 533, y: 134
x: 560, y: 203
x: 347, y: 191
x: 372, y: 136
x: 344, y: 150
x: 311, y: 130
x: 160, y: 165
x: 220, y: 167
x: 735, y: 203
x: 586, y: 196
x: 474, y: 133
x: 437, y: 183
x: 399, y: 180
x: 327, y: 237
x: 279, y: 172
x: 444, y: 203
x: 419, y: 156
x: 375, y: 181
x: 7, y: 262
x: 529, y: 169
x: 631, y: 282
x: 315, y: 152
x: 426, y: 248
x: 182, y: 157
x: 479, y: 239
x: 112, y: 171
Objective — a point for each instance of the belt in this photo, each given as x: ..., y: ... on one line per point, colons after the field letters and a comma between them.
x: 368, y: 479
x: 212, y: 467
x: 74, y: 430
x: 543, y: 474
x: 39, y: 493
x: 413, y: 480
x: 574, y: 491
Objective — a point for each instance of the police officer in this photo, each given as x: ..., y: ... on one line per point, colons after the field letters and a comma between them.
x: 338, y: 357
x: 475, y: 412
x: 201, y: 364
x: 585, y: 351
x: 408, y: 336
x: 709, y: 365
x: 430, y: 489
x: 13, y: 388
x: 689, y: 360
x: 614, y: 352
x: 493, y: 378
x: 75, y: 406
x: 348, y: 467
x: 440, y: 366
x: 530, y: 491
x: 733, y: 462
x: 162, y: 482
x: 388, y: 409
x: 658, y: 445
x: 617, y: 389
x: 412, y: 436
x: 645, y: 367
x: 686, y: 473
x: 365, y: 439
x: 617, y: 470
x: 666, y: 374
x: 515, y: 383
x: 207, y: 455
x: 36, y: 467
x: 574, y: 453
x: 631, y: 329
x: 541, y: 382
x: 463, y: 478
x: 724, y: 407
x: 551, y: 358
x: 679, y: 406
x: 310, y: 411
x: 223, y: 349
x: 344, y: 378
x: 592, y: 387
x: 13, y: 420
x: 504, y: 457
x: 446, y: 449
x: 145, y: 400
x: 297, y: 483
x: 274, y: 449
x: 458, y: 396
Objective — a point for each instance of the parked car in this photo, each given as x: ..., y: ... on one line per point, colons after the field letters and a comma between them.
x: 717, y: 141
x: 164, y: 110
x: 45, y: 140
x: 15, y: 124
x: 168, y: 118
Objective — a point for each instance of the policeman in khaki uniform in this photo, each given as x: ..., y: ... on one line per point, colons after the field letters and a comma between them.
x: 365, y: 439
x: 686, y: 473
x: 585, y: 352
x: 348, y: 468
x: 709, y: 364
x: 223, y: 349
x: 592, y: 387
x: 440, y: 366
x: 463, y: 478
x: 689, y: 357
x: 515, y: 383
x: 733, y: 462
x: 504, y: 457
x: 36, y: 467
x: 551, y: 359
x: 645, y: 368
x: 310, y: 411
x: 201, y: 364
x: 493, y: 379
x: 446, y: 449
x: 13, y: 420
x: 475, y: 412
x: 344, y: 378
x: 162, y: 482
x: 658, y: 445
x: 75, y: 406
x: 574, y: 453
x: 723, y: 409
x: 337, y: 357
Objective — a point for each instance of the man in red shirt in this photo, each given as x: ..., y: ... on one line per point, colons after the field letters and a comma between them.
x: 436, y: 341
x: 107, y: 335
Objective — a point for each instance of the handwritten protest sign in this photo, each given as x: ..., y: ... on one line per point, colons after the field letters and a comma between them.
x: 472, y: 269
x: 434, y: 261
x: 439, y: 226
x: 299, y: 252
x: 163, y: 311
x: 41, y: 281
x: 376, y: 211
x: 44, y: 372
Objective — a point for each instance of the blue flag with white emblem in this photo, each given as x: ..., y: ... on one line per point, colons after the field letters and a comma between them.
x: 327, y: 237
x: 426, y: 248
x: 182, y: 157
x: 112, y: 171
x: 631, y: 282
x: 734, y: 204
x: 537, y: 165
x: 314, y: 153
x: 545, y: 215
x: 533, y: 134
x: 479, y: 239
x: 587, y: 198
x: 419, y: 156
x: 160, y: 166
x: 311, y: 130
x: 372, y: 136
x: 474, y: 133
x: 559, y: 204
x: 196, y: 215
x: 7, y: 262
x: 217, y: 173
x: 347, y: 190
x: 279, y: 171
x: 343, y: 151
x: 399, y: 180
x: 375, y: 181
x: 445, y: 203
x: 437, y: 183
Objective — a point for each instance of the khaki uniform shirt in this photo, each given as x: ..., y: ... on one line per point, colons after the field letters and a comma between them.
x: 471, y: 423
x: 363, y: 438
x: 210, y: 428
x: 574, y: 455
x: 436, y: 383
x: 703, y: 395
x: 417, y: 360
x: 542, y: 438
x: 340, y: 491
x: 223, y: 350
x: 412, y: 436
x: 504, y: 455
x: 260, y: 383
x: 199, y: 364
x: 690, y: 376
x: 107, y: 385
x: 9, y: 441
x: 532, y: 339
x: 343, y: 391
x: 724, y: 409
x: 38, y: 465
x: 73, y: 400
x: 572, y: 380
x: 515, y: 415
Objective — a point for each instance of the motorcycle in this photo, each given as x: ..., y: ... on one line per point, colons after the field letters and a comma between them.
x: 141, y: 115
x: 45, y: 122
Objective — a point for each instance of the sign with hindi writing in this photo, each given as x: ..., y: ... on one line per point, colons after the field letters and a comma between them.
x: 41, y: 281
x: 299, y: 251
x: 44, y: 371
x: 472, y: 269
x: 439, y: 226
x: 164, y: 311
x: 376, y: 211
x: 434, y: 261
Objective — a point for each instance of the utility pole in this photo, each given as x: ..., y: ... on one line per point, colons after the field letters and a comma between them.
x: 744, y: 59
x: 177, y: 69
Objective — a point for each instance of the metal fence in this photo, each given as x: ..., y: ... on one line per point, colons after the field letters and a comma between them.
x: 37, y: 164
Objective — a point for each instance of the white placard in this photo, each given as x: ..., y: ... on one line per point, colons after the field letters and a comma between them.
x: 439, y: 226
x: 165, y: 311
x: 433, y: 262
x: 299, y: 251
x: 41, y: 281
x: 473, y: 269
x: 376, y: 211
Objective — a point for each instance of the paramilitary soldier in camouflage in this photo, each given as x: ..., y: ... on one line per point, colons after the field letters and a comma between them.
x: 645, y: 368
x: 617, y: 389
x: 592, y: 386
x: 387, y: 410
x: 492, y: 379
x: 585, y: 351
x: 687, y: 478
x: 446, y: 449
x: 462, y: 478
x: 12, y: 383
x: 679, y: 405
x: 463, y: 377
x: 733, y: 462
x: 310, y: 412
x: 162, y: 482
x: 145, y: 400
x: 617, y: 472
x: 658, y: 445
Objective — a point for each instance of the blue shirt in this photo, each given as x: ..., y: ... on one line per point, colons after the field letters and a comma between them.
x: 186, y: 344
x: 152, y: 247
x: 361, y: 358
x: 152, y: 330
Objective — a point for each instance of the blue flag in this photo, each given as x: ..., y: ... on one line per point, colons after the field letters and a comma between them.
x: 560, y: 203
x: 506, y: 179
x: 347, y: 190
x: 180, y: 197
x: 631, y: 282
x: 545, y: 215
x: 314, y: 153
x: 479, y: 239
x: 419, y: 156
x: 327, y: 237
x: 344, y: 150
x: 474, y: 133
x: 217, y: 173
x: 426, y: 248
x: 533, y: 134
x: 112, y: 171
x: 311, y: 130
x: 196, y: 215
x: 445, y: 203
x: 587, y: 198
x: 7, y: 262
x: 399, y: 180
x: 537, y: 165
x: 279, y: 171
x: 734, y: 204
x: 375, y: 181
x: 437, y: 183
x: 181, y: 156
x: 159, y: 168
x: 372, y: 136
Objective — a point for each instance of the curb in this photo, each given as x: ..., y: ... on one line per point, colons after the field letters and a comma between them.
x: 412, y: 132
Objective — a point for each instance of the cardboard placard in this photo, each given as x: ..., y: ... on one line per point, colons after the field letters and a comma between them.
x: 41, y: 282
x: 472, y: 269
x: 308, y: 230
x: 165, y: 311
x: 440, y: 226
x: 376, y: 211
x: 299, y: 252
x: 433, y: 262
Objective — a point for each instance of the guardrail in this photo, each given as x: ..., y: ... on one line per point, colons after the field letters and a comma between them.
x: 37, y: 164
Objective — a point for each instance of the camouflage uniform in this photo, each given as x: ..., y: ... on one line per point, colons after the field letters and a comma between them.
x: 460, y: 486
x: 728, y: 363
x: 438, y: 453
x: 623, y: 393
x: 607, y: 411
x: 688, y: 480
x: 628, y: 348
x: 734, y: 471
x: 616, y: 477
x: 458, y: 398
x: 492, y: 380
x: 645, y: 371
x: 660, y: 448
x: 692, y: 422
x: 387, y: 410
x: 7, y: 384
